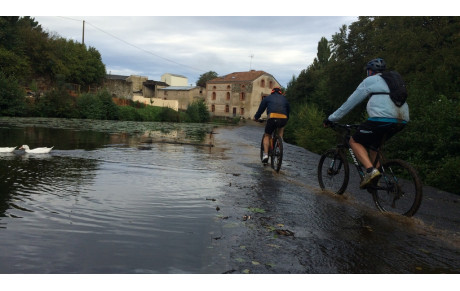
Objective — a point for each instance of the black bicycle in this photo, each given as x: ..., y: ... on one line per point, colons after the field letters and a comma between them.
x: 398, y: 189
x: 275, y: 150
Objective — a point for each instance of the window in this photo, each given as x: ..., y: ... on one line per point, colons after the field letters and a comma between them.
x: 227, y: 108
x: 241, y: 111
x: 242, y: 96
x: 228, y: 95
x: 228, y: 87
x: 234, y: 111
x: 213, y: 87
x: 213, y: 95
x: 262, y: 83
x: 270, y: 84
x: 213, y: 108
x: 243, y: 87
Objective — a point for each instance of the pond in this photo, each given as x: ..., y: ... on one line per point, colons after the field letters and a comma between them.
x: 111, y: 197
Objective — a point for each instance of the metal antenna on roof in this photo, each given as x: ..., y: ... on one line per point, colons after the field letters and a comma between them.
x: 250, y: 64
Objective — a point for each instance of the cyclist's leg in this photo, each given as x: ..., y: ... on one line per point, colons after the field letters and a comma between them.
x: 368, y: 136
x: 269, y: 128
x: 266, y: 142
x: 281, y: 123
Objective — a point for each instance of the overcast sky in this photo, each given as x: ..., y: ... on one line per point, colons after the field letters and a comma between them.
x: 185, y: 44
x: 190, y: 46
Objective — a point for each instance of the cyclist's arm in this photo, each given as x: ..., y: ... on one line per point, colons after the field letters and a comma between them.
x: 262, y: 107
x: 361, y: 93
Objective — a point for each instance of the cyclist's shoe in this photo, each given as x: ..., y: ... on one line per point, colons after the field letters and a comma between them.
x: 265, y: 159
x: 369, y: 177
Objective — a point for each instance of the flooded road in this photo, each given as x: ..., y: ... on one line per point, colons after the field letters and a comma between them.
x: 296, y: 228
x: 163, y: 201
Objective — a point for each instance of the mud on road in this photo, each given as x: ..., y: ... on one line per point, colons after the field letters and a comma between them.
x: 282, y: 223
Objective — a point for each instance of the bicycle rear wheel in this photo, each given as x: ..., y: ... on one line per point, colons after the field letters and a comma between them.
x: 277, y: 153
x: 399, y: 189
x: 333, y: 172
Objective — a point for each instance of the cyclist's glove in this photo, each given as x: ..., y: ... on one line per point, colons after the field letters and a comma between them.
x: 327, y: 122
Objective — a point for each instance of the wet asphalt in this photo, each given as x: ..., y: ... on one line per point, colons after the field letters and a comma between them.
x: 282, y: 223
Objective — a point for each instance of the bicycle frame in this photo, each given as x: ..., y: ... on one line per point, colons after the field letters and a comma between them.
x: 346, y: 145
x: 398, y: 189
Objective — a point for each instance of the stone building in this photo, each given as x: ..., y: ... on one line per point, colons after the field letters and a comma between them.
x: 183, y: 94
x: 239, y: 93
x: 128, y: 87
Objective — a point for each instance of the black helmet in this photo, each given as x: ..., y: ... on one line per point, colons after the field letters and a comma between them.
x: 277, y: 90
x: 376, y: 65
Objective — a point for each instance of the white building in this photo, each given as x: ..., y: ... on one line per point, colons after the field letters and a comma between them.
x: 174, y: 80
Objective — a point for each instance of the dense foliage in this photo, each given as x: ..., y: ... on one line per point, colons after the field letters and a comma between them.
x: 28, y: 53
x: 205, y: 78
x: 426, y: 52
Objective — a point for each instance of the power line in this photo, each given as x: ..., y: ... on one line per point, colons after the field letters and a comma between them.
x: 130, y: 44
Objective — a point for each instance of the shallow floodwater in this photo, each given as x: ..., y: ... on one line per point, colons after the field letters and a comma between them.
x: 122, y: 197
x: 110, y: 197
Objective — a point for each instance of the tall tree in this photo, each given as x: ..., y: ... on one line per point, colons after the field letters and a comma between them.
x: 205, y: 78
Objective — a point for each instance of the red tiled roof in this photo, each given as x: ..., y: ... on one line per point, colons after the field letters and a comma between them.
x: 238, y: 77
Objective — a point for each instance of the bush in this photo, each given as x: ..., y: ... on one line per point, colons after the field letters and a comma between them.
x: 90, y: 107
x: 305, y: 128
x: 128, y: 113
x: 197, y: 111
x: 12, y: 100
x: 150, y: 113
x: 168, y: 115
x: 109, y: 108
x: 57, y: 103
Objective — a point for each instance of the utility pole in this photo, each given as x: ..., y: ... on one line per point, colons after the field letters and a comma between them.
x: 83, y: 35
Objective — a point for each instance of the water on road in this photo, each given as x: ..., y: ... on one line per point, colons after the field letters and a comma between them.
x: 161, y: 200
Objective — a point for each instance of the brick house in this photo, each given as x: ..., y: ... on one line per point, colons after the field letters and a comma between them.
x: 239, y: 93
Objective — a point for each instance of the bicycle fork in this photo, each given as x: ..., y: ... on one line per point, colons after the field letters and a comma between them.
x: 330, y: 170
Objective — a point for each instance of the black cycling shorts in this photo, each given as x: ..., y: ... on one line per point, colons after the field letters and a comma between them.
x: 273, y: 123
x: 371, y: 134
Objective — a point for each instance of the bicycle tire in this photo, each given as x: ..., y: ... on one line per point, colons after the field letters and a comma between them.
x: 399, y: 189
x: 277, y: 153
x: 333, y: 179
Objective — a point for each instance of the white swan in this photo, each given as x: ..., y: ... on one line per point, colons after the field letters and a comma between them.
x: 7, y: 150
x: 42, y: 150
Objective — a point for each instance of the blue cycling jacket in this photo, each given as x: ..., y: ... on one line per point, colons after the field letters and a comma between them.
x: 379, y: 107
x: 274, y: 103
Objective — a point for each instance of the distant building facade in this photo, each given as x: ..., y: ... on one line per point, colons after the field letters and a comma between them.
x: 129, y: 86
x: 185, y: 95
x: 239, y: 93
x: 174, y: 80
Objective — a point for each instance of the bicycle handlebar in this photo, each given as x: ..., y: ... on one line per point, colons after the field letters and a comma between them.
x: 346, y: 126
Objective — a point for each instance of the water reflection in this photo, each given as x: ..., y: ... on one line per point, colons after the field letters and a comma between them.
x: 104, y: 201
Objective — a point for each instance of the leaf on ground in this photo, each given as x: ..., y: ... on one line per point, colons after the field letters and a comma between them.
x: 256, y: 210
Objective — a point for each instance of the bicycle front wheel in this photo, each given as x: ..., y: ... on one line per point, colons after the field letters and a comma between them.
x: 333, y: 172
x: 399, y: 189
x: 277, y: 154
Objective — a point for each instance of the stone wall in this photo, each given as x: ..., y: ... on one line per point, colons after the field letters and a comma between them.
x: 119, y: 88
x: 173, y: 104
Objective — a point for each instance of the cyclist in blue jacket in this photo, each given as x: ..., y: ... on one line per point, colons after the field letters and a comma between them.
x: 278, y: 109
x: 385, y: 118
